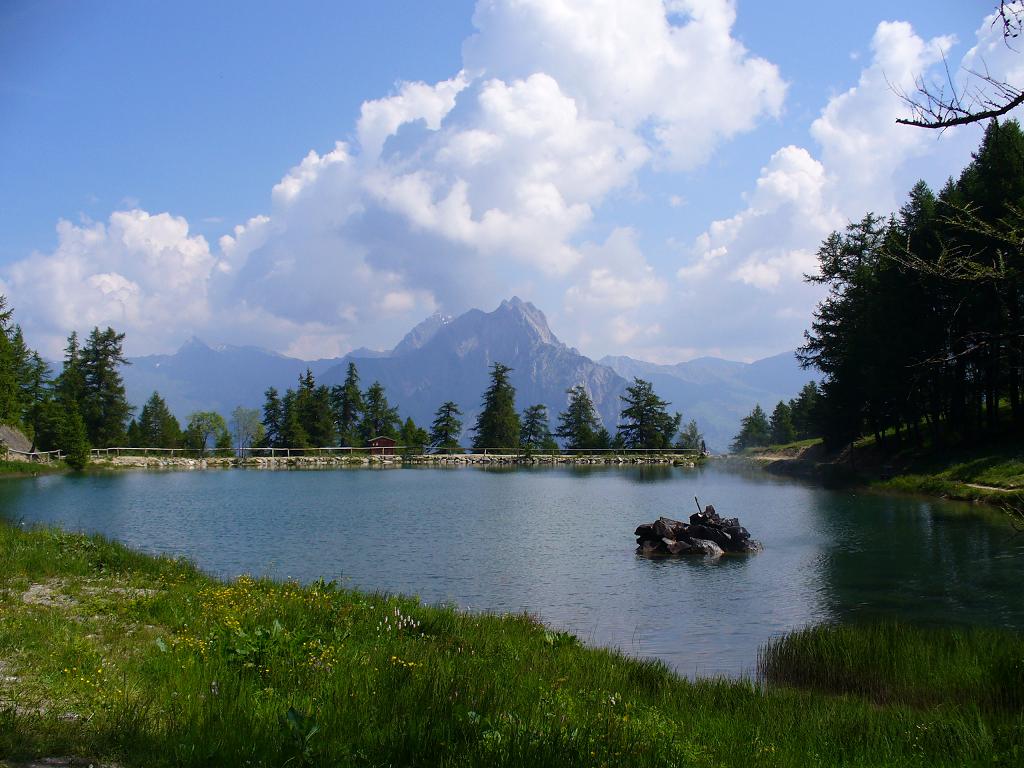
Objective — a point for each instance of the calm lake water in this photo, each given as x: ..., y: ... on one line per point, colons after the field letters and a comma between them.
x: 559, y: 543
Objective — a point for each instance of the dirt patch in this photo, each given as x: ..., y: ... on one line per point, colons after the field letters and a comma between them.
x: 991, y: 488
x: 125, y: 591
x: 6, y: 673
x: 51, y: 594
x: 48, y: 595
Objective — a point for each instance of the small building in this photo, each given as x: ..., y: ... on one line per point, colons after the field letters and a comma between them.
x: 382, y: 446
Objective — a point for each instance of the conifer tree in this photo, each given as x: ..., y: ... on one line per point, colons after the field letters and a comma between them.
x: 413, y: 439
x: 156, y: 426
x: 8, y: 368
x: 347, y: 407
x: 379, y: 418
x: 293, y: 434
x: 134, y: 437
x: 754, y: 431
x: 579, y: 425
x: 314, y: 411
x: 70, y: 385
x: 690, y: 438
x: 49, y: 428
x: 447, y: 427
x: 18, y: 372
x: 804, y: 412
x: 104, y: 406
x: 38, y: 391
x: 645, y: 421
x: 497, y: 426
x: 273, y: 419
x: 73, y: 440
x: 780, y: 426
x: 535, y: 434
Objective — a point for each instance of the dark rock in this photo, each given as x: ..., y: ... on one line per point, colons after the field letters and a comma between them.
x: 645, y: 531
x: 706, y: 548
x: 720, y: 537
x: 737, y: 532
x: 707, y: 533
x: 652, y: 549
x: 749, y: 547
x: 679, y: 547
x: 707, y: 517
x: 667, y: 528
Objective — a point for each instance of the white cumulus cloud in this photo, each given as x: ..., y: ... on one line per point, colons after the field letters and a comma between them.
x: 138, y: 271
x: 493, y: 181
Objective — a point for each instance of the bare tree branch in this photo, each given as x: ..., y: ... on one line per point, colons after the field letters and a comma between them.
x: 981, y: 98
x: 940, y: 118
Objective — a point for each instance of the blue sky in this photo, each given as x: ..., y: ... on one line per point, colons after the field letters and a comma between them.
x: 655, y: 177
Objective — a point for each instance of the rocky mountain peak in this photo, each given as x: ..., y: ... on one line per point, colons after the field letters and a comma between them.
x: 195, y: 348
x: 529, y: 317
x: 422, y: 333
x: 194, y: 343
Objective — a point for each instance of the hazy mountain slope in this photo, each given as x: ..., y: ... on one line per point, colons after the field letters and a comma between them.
x: 719, y: 393
x: 200, y: 377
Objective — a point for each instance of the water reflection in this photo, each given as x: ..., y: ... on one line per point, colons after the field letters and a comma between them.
x: 11, y: 489
x: 940, y: 568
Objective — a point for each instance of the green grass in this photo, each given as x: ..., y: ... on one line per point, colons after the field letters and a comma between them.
x: 147, y: 661
x: 24, y: 468
x: 897, y: 664
x: 782, y: 448
x: 993, y: 473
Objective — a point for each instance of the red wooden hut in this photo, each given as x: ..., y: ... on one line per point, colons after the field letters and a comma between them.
x: 382, y: 446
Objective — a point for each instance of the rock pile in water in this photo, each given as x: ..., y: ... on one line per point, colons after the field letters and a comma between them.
x: 707, y: 533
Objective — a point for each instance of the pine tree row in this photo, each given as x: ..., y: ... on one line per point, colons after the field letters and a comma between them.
x: 921, y: 334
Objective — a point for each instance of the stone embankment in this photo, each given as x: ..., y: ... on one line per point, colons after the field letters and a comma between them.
x: 437, y: 460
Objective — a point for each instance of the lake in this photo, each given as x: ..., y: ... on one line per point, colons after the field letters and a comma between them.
x: 558, y: 542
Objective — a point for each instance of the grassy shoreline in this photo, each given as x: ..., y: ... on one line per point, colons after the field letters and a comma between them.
x: 30, y: 468
x: 992, y: 474
x: 109, y: 654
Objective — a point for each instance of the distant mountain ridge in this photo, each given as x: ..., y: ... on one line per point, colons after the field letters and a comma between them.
x: 199, y: 377
x: 448, y: 358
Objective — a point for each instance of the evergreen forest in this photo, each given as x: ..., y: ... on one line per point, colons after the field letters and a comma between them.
x: 920, y: 336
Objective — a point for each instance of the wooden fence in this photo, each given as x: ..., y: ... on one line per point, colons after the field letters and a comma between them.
x: 44, y: 457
